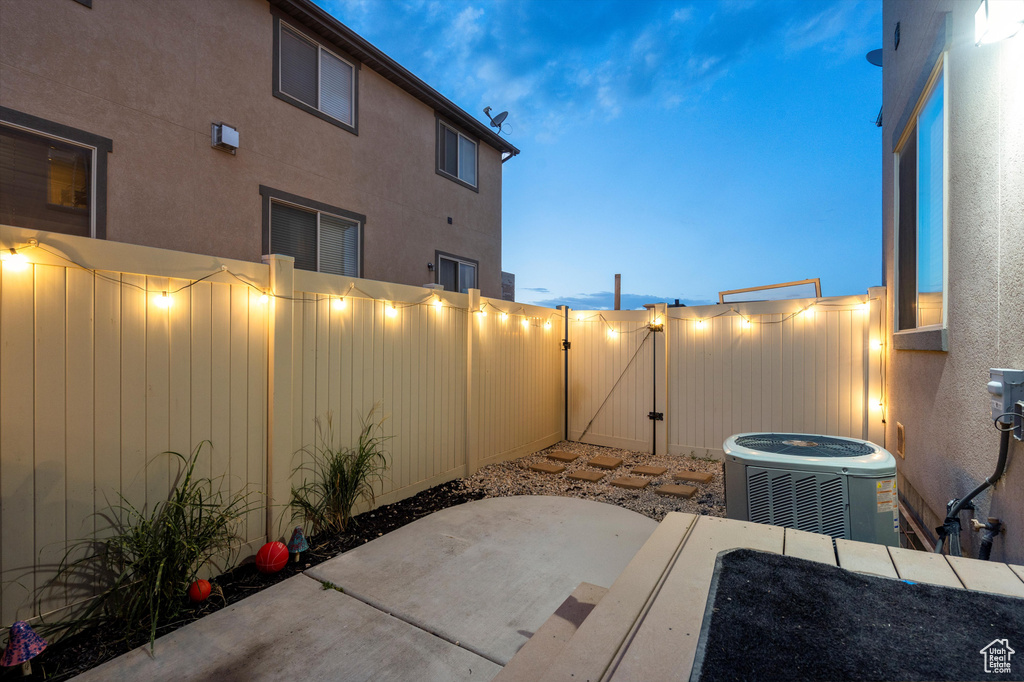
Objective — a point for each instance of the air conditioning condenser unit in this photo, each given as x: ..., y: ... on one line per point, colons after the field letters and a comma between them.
x: 843, y: 487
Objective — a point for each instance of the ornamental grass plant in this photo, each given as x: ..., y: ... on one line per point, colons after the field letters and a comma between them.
x: 146, y: 560
x: 334, y: 480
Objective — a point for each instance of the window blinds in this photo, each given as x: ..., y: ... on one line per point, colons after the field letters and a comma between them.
x: 339, y: 246
x: 298, y: 67
x: 293, y: 233
x: 336, y: 87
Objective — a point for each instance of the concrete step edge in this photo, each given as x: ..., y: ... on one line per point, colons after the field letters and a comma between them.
x: 541, y: 650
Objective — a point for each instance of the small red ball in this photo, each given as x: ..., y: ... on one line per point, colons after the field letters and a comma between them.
x: 272, y: 557
x: 199, y: 591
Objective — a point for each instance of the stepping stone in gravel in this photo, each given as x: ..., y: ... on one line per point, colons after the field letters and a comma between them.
x: 676, y: 490
x: 591, y: 476
x: 649, y: 471
x: 562, y: 456
x: 547, y: 468
x: 694, y: 476
x: 605, y: 462
x: 630, y: 482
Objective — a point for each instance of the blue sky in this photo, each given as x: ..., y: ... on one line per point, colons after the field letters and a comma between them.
x: 691, y: 146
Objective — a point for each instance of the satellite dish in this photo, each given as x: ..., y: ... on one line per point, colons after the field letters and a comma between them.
x: 496, y: 121
x: 875, y: 57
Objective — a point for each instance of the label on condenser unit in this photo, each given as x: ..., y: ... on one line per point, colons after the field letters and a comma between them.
x: 885, y: 495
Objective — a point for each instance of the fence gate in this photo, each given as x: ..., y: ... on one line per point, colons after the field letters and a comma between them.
x: 681, y: 380
x: 616, y: 378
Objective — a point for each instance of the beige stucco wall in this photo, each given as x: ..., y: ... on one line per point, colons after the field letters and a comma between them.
x: 940, y: 397
x: 153, y: 76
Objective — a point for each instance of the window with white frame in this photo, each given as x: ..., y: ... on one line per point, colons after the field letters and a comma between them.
x: 920, y: 211
x: 314, y: 78
x: 456, y: 155
x: 455, y: 273
x: 319, y: 237
x: 52, y: 176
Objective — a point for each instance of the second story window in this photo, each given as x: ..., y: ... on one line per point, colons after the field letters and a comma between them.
x: 313, y: 78
x: 456, y: 155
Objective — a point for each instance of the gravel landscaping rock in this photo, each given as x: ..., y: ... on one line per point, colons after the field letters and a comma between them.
x: 515, y: 478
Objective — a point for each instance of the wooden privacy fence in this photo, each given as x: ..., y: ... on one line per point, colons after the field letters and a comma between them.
x: 100, y: 373
x: 806, y: 366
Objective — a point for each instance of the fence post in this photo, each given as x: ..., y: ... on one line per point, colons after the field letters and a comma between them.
x: 279, y: 390
x: 472, y: 368
x: 661, y: 363
x: 565, y: 371
x: 876, y: 350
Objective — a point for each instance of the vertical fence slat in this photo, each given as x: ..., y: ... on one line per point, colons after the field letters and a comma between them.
x: 16, y: 440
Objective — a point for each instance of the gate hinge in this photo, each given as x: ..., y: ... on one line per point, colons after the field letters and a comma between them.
x: 566, y: 345
x: 656, y: 416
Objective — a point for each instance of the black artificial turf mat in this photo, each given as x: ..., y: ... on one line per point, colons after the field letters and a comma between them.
x: 773, y: 617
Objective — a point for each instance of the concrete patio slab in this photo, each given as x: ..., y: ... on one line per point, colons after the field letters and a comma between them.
x: 296, y: 630
x: 694, y: 476
x: 547, y: 468
x: 488, y: 574
x: 645, y: 470
x: 630, y: 482
x: 676, y: 490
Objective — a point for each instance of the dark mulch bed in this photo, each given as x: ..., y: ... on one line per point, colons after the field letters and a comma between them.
x: 772, y: 617
x: 75, y: 655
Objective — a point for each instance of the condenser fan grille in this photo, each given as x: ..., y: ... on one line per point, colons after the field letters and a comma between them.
x: 813, y: 502
x: 803, y: 445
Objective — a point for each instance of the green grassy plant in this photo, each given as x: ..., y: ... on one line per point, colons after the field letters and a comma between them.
x: 334, y: 480
x: 145, y: 566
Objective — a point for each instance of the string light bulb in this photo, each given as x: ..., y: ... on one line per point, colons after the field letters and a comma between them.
x: 547, y: 325
x: 526, y: 322
x: 14, y: 260
x: 338, y: 303
x: 504, y: 316
x: 264, y: 297
x: 390, y: 310
x: 865, y: 306
x: 438, y: 303
x: 657, y: 322
x: 613, y: 334
x: 746, y: 323
x: 808, y: 312
x: 876, y: 345
x: 699, y: 324
x: 162, y: 300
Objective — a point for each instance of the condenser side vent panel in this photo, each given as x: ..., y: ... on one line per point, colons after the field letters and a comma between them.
x: 807, y: 501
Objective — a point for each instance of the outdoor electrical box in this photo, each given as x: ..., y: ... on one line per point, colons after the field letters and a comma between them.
x: 1006, y: 388
x: 223, y: 137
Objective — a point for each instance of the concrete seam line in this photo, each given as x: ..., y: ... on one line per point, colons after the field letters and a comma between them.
x: 413, y: 622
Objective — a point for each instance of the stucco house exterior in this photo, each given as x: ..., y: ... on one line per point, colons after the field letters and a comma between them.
x: 343, y: 158
x: 953, y: 207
